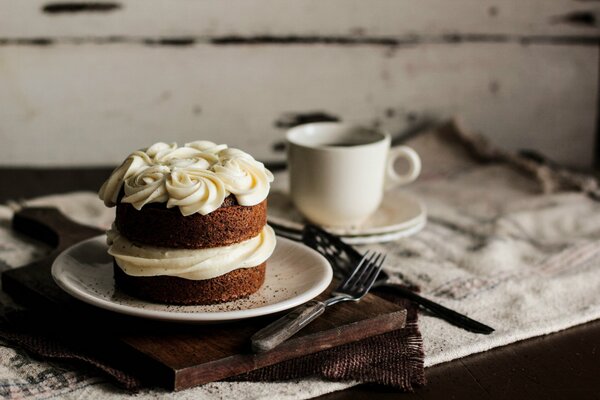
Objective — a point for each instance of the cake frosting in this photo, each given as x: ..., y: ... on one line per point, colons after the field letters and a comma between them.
x: 195, y: 264
x: 196, y: 177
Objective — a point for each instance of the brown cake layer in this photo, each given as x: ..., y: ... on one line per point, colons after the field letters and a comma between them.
x: 157, y: 225
x: 234, y: 285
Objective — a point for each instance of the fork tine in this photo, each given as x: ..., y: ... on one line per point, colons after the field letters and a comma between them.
x: 365, y: 284
x: 377, y: 265
x: 368, y: 271
x: 365, y: 268
x: 358, y: 269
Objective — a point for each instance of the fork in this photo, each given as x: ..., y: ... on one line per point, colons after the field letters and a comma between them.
x: 353, y: 288
x: 342, y: 256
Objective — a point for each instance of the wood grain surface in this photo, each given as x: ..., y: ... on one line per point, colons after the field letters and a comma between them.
x: 128, y: 19
x: 83, y: 83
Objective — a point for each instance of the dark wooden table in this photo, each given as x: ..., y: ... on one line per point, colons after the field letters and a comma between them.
x: 564, y: 365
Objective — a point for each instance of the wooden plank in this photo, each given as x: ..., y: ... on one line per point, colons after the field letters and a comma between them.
x: 202, y: 20
x: 91, y: 105
x: 206, y: 354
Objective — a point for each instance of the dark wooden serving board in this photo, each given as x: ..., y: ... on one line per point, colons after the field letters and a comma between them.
x: 172, y: 355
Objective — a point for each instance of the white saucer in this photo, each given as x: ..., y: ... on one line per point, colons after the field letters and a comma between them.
x: 399, y: 215
x: 295, y: 274
x: 387, y: 236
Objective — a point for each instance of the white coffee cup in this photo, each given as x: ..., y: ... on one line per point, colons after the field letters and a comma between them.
x: 339, y: 172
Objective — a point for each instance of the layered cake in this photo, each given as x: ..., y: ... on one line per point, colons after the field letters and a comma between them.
x: 190, y: 224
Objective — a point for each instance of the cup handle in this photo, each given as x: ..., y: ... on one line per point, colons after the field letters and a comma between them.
x: 393, y: 178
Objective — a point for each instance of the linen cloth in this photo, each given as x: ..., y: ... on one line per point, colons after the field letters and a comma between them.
x: 504, y: 244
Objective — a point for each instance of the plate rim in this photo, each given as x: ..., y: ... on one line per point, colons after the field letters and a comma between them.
x: 193, y: 317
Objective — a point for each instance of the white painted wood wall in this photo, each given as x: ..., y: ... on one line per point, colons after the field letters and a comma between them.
x: 82, y: 86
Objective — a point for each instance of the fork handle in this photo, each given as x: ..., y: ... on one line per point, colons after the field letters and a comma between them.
x: 451, y: 316
x: 280, y: 330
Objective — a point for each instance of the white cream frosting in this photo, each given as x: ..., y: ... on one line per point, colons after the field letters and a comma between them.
x: 195, y: 264
x: 196, y: 177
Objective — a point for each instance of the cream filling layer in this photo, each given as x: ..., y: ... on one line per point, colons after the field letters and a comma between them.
x: 194, y: 264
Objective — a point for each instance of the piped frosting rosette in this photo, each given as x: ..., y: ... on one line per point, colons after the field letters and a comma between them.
x: 196, y: 177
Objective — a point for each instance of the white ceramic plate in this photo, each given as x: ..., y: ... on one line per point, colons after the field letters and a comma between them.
x: 398, y: 216
x: 295, y: 274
